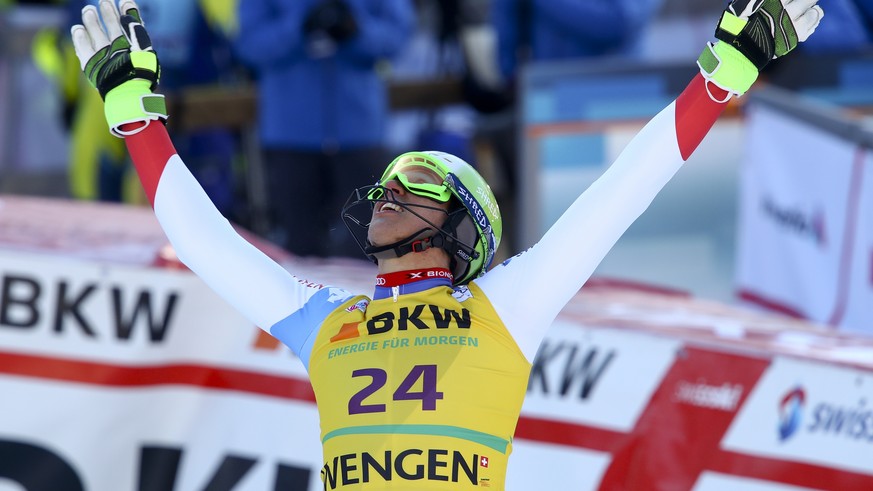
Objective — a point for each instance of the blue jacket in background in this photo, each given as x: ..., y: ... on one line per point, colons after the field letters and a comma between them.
x: 564, y: 29
x: 309, y: 103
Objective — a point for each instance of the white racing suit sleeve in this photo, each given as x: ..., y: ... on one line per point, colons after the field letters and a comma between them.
x: 289, y: 308
x: 529, y: 290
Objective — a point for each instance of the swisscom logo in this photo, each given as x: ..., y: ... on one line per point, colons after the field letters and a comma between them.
x: 791, y: 412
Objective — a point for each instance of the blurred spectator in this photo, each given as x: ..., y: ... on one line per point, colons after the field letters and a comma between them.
x: 432, y: 54
x: 323, y: 107
x: 533, y: 30
x: 849, y: 28
x: 81, y: 113
x: 537, y: 30
x: 453, y: 40
x: 192, y: 38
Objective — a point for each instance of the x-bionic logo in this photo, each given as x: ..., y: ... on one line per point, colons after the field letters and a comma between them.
x: 791, y: 412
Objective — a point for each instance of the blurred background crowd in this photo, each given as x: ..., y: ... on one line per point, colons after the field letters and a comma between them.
x: 282, y: 107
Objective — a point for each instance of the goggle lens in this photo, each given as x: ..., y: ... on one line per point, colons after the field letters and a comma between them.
x: 436, y: 192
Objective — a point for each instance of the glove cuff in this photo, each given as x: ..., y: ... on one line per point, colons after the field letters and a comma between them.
x: 723, y: 65
x: 133, y: 102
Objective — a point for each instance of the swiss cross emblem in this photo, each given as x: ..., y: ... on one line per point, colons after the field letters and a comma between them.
x: 483, y: 461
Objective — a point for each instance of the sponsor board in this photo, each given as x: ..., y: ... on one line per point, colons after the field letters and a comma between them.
x: 598, y: 377
x: 806, y: 234
x: 793, y: 214
x: 856, y: 315
x: 799, y: 408
x: 125, y: 314
x: 167, y: 438
x: 146, y: 368
x: 711, y: 481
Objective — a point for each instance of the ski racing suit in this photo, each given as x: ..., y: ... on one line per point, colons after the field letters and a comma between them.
x: 420, y: 386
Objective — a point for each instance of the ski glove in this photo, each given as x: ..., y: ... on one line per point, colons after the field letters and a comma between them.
x: 116, y: 56
x: 750, y: 33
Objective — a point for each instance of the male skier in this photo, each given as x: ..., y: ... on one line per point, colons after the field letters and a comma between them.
x: 420, y: 385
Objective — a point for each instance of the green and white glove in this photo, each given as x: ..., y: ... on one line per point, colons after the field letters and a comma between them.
x: 117, y: 58
x: 751, y: 33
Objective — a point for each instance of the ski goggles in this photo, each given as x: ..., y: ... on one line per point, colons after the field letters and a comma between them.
x: 437, y: 192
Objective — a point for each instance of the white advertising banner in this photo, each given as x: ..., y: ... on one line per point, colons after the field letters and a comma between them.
x: 797, y: 409
x: 133, y: 375
x: 124, y: 377
x: 857, y: 314
x: 581, y: 375
x: 797, y: 220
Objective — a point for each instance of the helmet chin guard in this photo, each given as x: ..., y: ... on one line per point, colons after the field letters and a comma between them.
x: 456, y: 236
